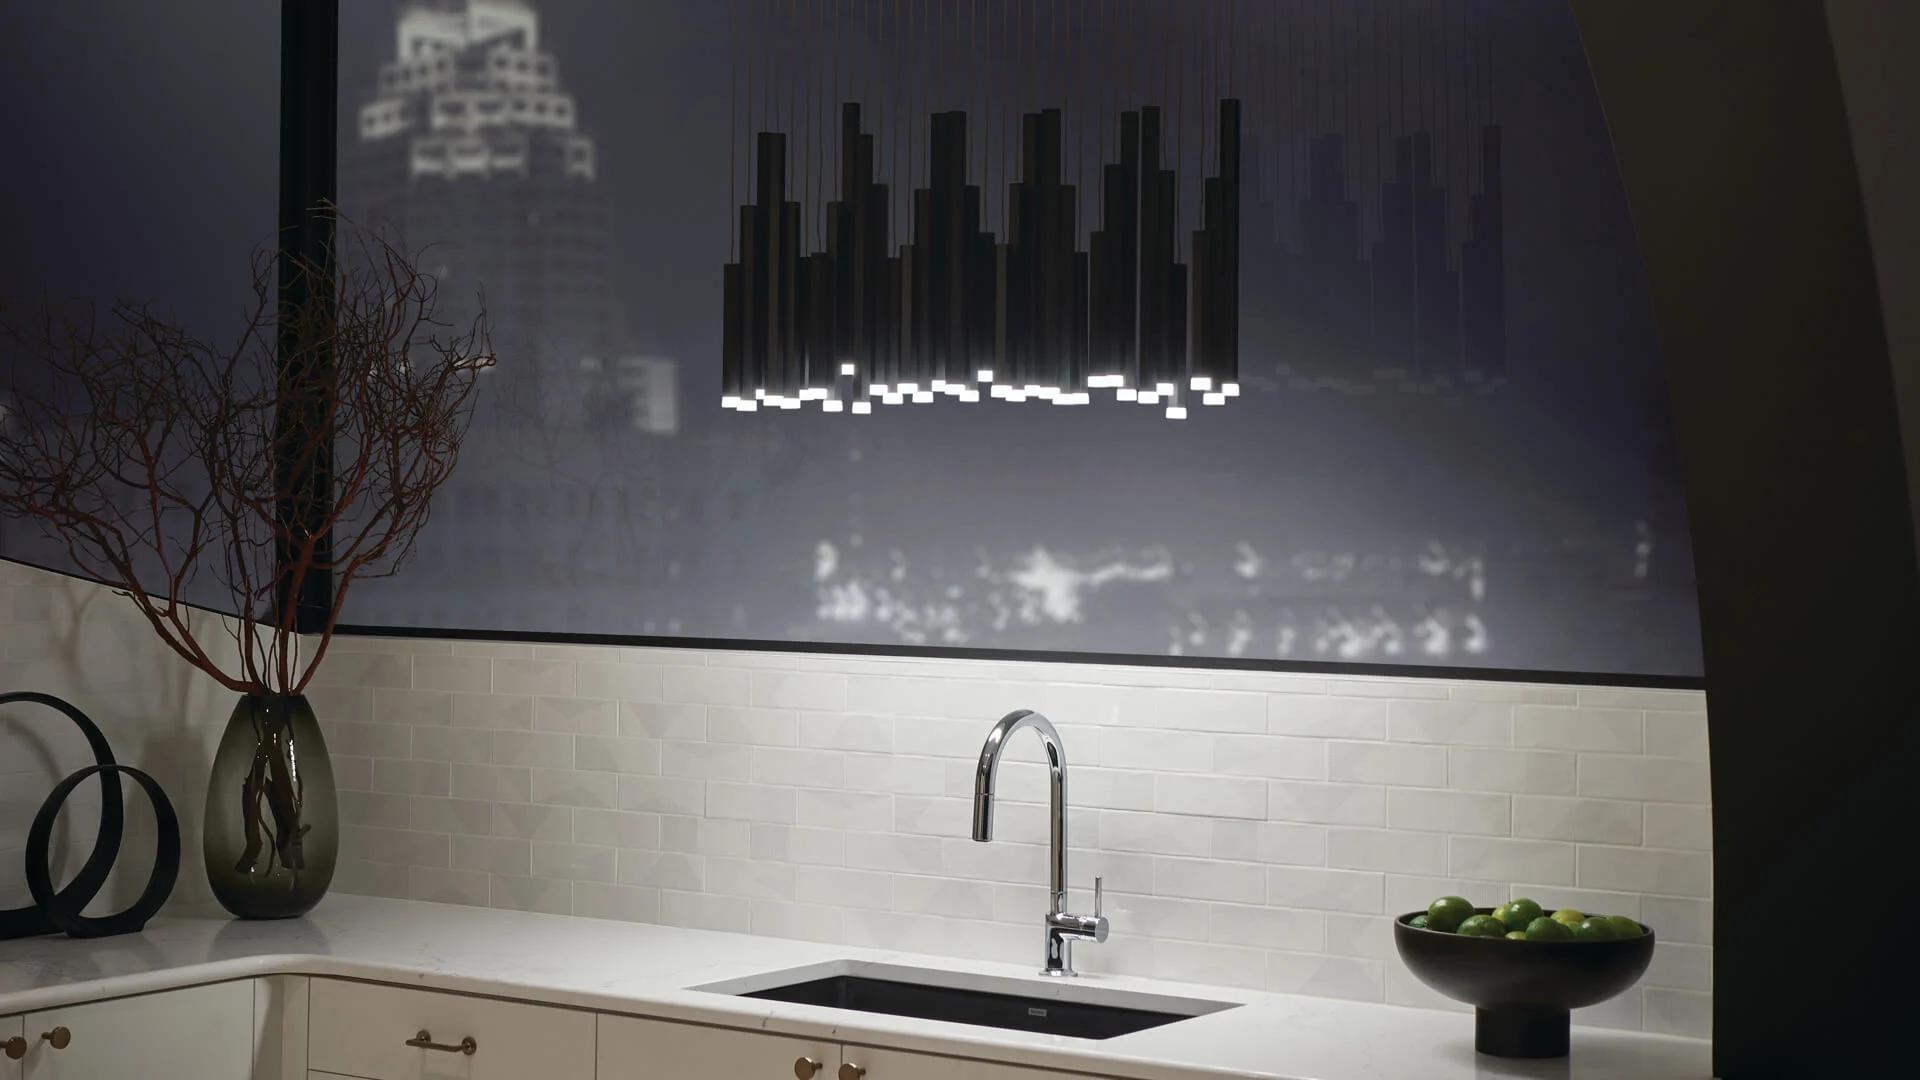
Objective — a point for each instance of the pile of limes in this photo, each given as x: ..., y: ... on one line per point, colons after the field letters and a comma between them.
x: 1523, y: 920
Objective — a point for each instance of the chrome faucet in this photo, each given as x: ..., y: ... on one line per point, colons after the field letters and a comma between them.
x: 1061, y: 927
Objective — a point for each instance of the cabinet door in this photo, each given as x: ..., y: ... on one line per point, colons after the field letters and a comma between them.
x: 362, y: 1029
x: 899, y: 1065
x: 634, y: 1049
x: 11, y: 1027
x: 202, y: 1033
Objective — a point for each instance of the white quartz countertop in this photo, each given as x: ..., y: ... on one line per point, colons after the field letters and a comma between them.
x: 651, y: 970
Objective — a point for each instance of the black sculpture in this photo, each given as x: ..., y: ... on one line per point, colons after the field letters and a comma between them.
x: 61, y: 911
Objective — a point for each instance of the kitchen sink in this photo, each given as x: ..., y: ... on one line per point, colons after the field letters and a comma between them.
x: 1076, y: 1011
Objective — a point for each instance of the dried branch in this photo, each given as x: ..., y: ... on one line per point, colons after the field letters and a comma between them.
x: 311, y: 444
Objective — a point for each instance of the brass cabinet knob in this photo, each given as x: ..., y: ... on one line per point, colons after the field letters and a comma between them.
x: 850, y: 1071
x: 58, y: 1038
x: 15, y: 1047
x: 805, y: 1068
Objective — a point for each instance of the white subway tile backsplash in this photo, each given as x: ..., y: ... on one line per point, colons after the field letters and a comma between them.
x: 1616, y: 731
x: 470, y: 673
x: 575, y: 716
x: 1209, y: 879
x: 573, y: 787
x: 549, y: 677
x: 1644, y: 870
x: 1210, y: 796
x: 1253, y: 829
x: 1450, y: 812
x: 1327, y: 717
x: 580, y: 862
x: 1266, y: 927
x: 1451, y: 723
x: 798, y: 690
x: 617, y: 829
x: 750, y: 802
x: 1387, y: 763
x: 647, y: 720
x: 1528, y: 772
x: 1604, y: 821
x: 1679, y: 825
x: 843, y: 809
x: 757, y: 727
x: 1156, y: 751
x: 1491, y: 858
x: 411, y: 706
x: 661, y: 794
x: 1677, y: 734
x: 1394, y: 850
x: 1356, y: 891
x: 598, y: 900
x: 1650, y: 778
x: 532, y: 821
x: 705, y: 761
x: 1276, y: 757
x: 1331, y: 804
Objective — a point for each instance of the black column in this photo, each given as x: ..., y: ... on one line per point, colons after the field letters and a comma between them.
x: 1733, y: 142
x: 309, y: 80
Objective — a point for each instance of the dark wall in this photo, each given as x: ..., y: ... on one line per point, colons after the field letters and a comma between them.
x: 1874, y: 42
x: 1733, y: 141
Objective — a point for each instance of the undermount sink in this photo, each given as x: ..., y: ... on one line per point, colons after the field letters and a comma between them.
x: 1080, y: 1012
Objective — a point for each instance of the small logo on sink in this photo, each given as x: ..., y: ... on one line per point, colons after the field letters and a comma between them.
x: 1032, y: 1011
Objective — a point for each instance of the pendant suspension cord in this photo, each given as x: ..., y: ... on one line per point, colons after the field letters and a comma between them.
x: 733, y: 130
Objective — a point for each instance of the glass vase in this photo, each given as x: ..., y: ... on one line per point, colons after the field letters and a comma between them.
x: 272, y: 829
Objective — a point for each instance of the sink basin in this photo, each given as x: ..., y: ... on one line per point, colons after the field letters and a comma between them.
x: 1077, y: 1012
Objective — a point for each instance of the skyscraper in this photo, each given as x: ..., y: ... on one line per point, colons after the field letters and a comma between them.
x: 469, y: 153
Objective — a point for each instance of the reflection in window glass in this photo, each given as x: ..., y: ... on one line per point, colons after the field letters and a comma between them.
x: 141, y: 169
x: 1277, y: 331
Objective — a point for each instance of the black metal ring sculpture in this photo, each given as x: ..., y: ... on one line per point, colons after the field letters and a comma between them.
x: 33, y: 921
x: 59, y: 911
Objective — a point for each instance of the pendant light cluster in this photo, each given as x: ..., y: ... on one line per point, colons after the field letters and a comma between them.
x: 1000, y: 286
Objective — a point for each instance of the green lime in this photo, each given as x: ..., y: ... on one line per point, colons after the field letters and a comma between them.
x: 1624, y: 927
x: 1545, y: 929
x: 1516, y: 935
x: 1447, y: 913
x: 1482, y: 926
x: 1568, y: 917
x: 1594, y: 930
x: 1518, y: 913
x: 1418, y: 922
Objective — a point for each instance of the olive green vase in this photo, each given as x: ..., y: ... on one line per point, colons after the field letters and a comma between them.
x: 272, y: 829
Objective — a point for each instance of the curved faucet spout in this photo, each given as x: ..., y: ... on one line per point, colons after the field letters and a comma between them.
x: 989, y: 767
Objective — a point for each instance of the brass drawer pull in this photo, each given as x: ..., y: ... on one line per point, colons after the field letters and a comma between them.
x: 805, y: 1068
x: 58, y: 1038
x: 850, y: 1071
x: 15, y: 1047
x: 424, y: 1041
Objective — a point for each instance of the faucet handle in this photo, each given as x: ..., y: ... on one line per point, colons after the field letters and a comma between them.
x: 1099, y: 896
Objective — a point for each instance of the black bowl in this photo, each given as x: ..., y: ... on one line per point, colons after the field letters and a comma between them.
x: 1521, y: 991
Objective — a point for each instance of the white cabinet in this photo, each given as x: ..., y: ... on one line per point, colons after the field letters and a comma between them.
x: 634, y: 1049
x: 202, y: 1033
x: 372, y: 1031
x: 11, y: 1028
x: 900, y: 1065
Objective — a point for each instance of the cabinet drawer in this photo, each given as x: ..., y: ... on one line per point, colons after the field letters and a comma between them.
x: 633, y: 1049
x: 358, y: 1029
x: 200, y: 1033
x: 900, y: 1065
